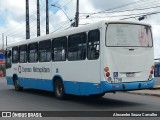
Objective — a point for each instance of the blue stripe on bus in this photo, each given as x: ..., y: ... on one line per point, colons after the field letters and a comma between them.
x: 33, y: 83
x: 82, y: 88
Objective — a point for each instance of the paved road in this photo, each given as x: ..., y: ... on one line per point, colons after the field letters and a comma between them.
x: 35, y: 100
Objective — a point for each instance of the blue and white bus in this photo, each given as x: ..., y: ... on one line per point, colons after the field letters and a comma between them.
x: 95, y: 59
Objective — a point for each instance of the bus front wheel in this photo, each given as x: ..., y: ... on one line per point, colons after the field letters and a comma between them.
x: 16, y: 84
x: 59, y: 89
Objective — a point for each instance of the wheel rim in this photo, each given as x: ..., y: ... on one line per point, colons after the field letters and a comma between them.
x: 59, y: 90
x: 16, y: 83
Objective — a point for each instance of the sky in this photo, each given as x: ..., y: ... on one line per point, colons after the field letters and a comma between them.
x: 12, y: 16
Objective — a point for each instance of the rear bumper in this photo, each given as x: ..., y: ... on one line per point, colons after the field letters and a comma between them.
x: 127, y: 86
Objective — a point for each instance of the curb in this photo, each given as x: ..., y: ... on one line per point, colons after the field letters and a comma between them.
x: 144, y: 94
x: 156, y: 87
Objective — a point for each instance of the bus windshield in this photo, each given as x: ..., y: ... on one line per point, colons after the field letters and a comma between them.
x: 128, y: 35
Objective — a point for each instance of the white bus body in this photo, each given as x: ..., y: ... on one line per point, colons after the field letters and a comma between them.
x: 123, y: 60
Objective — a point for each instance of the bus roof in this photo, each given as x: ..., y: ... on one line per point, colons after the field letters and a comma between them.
x: 72, y: 30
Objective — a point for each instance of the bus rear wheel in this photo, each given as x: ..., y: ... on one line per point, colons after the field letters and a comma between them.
x: 59, y: 89
x: 16, y: 84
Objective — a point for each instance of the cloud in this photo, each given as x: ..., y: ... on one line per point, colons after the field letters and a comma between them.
x: 107, y: 4
x: 15, y: 20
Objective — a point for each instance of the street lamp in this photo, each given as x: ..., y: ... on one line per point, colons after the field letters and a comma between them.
x: 62, y: 11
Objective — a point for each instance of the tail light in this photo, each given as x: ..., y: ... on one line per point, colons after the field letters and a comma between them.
x: 106, y: 69
x: 107, y: 74
x: 151, y: 72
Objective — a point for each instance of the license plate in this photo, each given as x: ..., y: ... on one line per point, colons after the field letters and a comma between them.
x: 130, y: 74
x: 116, y: 80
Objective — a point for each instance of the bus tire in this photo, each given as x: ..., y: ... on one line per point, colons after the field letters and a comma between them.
x: 59, y: 89
x: 17, y: 86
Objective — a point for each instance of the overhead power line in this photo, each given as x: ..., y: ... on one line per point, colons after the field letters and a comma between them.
x: 136, y: 9
x: 144, y: 13
x: 31, y: 16
x: 19, y: 33
x: 31, y: 26
x: 140, y: 15
x: 114, y: 8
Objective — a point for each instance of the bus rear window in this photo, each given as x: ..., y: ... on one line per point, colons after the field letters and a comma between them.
x: 128, y: 35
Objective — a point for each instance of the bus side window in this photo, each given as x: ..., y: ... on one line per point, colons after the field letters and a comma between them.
x: 59, y: 46
x: 8, y: 59
x: 15, y: 55
x: 45, y: 51
x: 23, y: 54
x: 33, y: 52
x: 77, y: 47
x: 93, y: 45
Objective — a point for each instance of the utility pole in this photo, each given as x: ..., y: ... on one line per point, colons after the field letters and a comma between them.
x: 38, y: 19
x: 77, y: 14
x: 2, y: 41
x: 6, y: 41
x: 27, y: 20
x: 47, y: 18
